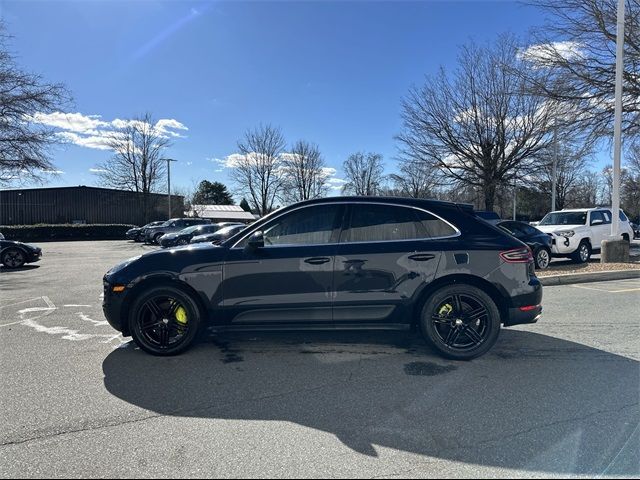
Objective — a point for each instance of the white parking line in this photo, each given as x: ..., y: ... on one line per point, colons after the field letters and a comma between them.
x: 617, y: 286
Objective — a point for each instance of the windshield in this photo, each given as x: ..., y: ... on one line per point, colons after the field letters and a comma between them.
x: 227, y: 230
x: 565, y: 218
x: 190, y: 229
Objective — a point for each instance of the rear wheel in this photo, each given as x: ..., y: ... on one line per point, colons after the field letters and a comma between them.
x: 13, y: 258
x: 156, y: 238
x: 164, y: 320
x: 542, y: 258
x: 625, y: 237
x: 583, y: 253
x: 461, y: 322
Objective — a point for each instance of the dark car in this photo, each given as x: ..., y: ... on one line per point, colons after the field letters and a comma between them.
x: 137, y: 234
x: 488, y: 216
x: 16, y: 254
x: 539, y: 242
x: 153, y: 234
x: 636, y: 230
x: 184, y: 236
x: 221, y: 235
x: 335, y: 263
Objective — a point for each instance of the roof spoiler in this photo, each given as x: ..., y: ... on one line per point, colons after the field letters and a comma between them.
x: 467, y: 207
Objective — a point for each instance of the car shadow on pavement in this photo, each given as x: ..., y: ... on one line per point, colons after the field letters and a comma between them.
x: 535, y: 402
x: 17, y: 270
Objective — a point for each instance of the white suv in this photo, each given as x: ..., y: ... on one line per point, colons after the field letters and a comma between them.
x: 578, y: 233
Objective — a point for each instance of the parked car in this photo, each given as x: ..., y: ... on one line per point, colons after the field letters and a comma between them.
x: 636, y: 230
x: 339, y: 262
x: 137, y: 234
x: 539, y: 242
x: 153, y: 234
x: 16, y: 254
x: 221, y: 235
x: 491, y: 217
x: 578, y: 233
x: 184, y: 236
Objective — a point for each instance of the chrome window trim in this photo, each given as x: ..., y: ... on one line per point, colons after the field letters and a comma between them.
x: 345, y: 202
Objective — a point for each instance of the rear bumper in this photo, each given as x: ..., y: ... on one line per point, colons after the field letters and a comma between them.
x: 525, y: 308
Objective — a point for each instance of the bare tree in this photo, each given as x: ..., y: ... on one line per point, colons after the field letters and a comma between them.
x: 573, y: 158
x: 257, y: 171
x: 587, y: 190
x: 24, y: 143
x: 479, y: 125
x: 137, y: 164
x: 417, y: 178
x: 363, y: 173
x: 304, y: 173
x: 578, y: 46
x: 631, y: 185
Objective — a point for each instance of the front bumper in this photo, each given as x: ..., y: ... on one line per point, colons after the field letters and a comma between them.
x: 563, y: 246
x: 34, y: 256
x: 112, y: 307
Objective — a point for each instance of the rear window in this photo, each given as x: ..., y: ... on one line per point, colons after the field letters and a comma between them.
x: 383, y: 223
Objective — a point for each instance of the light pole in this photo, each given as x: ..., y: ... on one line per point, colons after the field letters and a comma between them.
x: 169, y: 160
x: 617, y: 130
x: 554, y: 170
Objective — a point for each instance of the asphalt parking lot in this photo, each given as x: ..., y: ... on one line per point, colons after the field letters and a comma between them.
x: 555, y: 399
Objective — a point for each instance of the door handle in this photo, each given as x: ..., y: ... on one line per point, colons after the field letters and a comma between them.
x: 421, y: 257
x: 317, y: 260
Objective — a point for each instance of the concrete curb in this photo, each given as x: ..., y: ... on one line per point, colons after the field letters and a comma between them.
x: 570, y: 278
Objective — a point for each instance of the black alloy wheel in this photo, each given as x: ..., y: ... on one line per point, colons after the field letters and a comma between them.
x: 164, y: 320
x: 13, y: 258
x: 461, y: 321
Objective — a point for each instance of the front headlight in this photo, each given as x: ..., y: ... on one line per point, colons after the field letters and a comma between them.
x: 566, y: 233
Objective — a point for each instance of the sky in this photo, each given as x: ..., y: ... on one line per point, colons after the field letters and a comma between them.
x: 332, y: 73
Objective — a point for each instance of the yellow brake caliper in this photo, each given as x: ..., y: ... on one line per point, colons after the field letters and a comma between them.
x: 445, y: 310
x: 181, y: 316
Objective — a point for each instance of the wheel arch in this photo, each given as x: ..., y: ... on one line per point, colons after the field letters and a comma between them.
x: 499, y: 297
x: 161, y: 279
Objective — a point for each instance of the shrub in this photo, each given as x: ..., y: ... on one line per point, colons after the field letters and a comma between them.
x: 42, y: 232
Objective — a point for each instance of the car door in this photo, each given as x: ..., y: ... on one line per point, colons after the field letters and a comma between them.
x: 599, y: 228
x: 289, y: 280
x: 384, y: 259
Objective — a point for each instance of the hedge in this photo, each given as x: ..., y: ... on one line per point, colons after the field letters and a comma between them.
x: 42, y: 232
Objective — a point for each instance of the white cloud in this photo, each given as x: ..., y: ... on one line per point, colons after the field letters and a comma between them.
x: 90, y: 131
x: 98, y: 170
x: 52, y: 172
x: 544, y: 53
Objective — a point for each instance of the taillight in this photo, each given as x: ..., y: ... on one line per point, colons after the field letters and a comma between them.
x: 517, y: 255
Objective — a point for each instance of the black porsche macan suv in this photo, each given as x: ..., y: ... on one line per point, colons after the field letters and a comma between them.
x: 335, y: 263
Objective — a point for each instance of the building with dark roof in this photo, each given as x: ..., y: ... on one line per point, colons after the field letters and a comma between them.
x: 29, y: 206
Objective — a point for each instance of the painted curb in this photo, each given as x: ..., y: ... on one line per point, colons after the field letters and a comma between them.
x: 570, y: 278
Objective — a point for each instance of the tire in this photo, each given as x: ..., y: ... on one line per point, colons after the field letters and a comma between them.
x: 158, y: 326
x: 625, y: 237
x: 182, y: 241
x: 446, y: 323
x: 156, y: 238
x: 542, y: 258
x: 13, y: 258
x: 583, y: 253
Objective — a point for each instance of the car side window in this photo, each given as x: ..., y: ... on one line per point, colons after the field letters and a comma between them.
x: 607, y: 216
x: 380, y: 223
x: 435, y: 227
x: 312, y: 225
x: 597, y: 216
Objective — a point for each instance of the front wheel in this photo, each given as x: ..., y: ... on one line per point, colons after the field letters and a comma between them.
x: 13, y: 258
x: 164, y: 320
x: 461, y: 321
x: 583, y: 253
x: 542, y: 258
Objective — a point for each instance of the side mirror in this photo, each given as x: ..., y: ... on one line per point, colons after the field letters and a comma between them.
x: 256, y: 241
x: 597, y: 222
